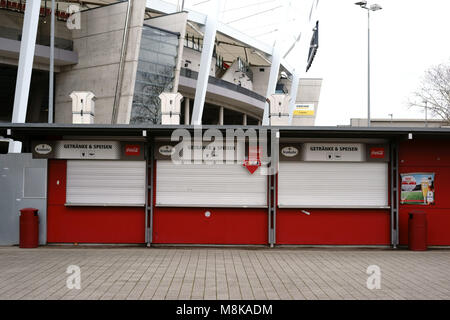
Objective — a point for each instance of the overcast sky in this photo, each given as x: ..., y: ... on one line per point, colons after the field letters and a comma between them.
x: 407, y: 37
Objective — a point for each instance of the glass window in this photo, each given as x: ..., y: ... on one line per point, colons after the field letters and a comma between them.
x: 155, y: 74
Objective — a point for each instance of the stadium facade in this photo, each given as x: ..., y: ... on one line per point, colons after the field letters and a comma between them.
x: 173, y: 128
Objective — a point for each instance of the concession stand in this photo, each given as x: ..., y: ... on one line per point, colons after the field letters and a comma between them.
x: 297, y: 186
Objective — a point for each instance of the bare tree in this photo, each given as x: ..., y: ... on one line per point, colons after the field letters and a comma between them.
x: 434, y: 92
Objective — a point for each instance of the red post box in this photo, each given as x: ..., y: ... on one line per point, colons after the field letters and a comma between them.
x: 29, y: 228
x: 417, y: 231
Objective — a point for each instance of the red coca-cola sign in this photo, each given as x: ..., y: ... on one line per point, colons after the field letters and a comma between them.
x: 377, y: 153
x: 132, y: 150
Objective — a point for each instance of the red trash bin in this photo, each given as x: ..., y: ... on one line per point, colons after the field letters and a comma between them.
x: 417, y: 231
x: 29, y: 228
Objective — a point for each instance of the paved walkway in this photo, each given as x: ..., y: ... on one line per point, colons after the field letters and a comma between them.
x: 222, y: 273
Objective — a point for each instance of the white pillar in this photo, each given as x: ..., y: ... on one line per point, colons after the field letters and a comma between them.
x: 52, y: 64
x: 186, y: 111
x: 221, y: 116
x: 293, y: 95
x: 15, y: 146
x: 205, y: 65
x: 83, y: 107
x: 244, y: 119
x: 170, y: 107
x: 273, y: 78
x: 279, y: 104
x: 27, y: 45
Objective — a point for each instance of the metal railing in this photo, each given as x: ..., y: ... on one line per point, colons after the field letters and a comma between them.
x: 19, y: 6
x: 244, y: 67
x: 196, y: 44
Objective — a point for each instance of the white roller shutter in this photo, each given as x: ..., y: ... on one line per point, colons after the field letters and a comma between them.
x: 98, y: 182
x: 323, y: 184
x: 214, y: 185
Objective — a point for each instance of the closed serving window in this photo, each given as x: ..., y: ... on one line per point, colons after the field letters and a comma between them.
x: 213, y: 185
x: 105, y: 183
x: 336, y: 184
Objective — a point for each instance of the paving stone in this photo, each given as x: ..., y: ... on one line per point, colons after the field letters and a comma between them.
x: 222, y: 273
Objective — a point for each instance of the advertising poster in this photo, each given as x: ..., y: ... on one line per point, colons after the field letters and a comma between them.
x: 304, y: 109
x: 417, y: 188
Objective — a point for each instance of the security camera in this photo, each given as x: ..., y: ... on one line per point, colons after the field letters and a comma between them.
x: 361, y: 3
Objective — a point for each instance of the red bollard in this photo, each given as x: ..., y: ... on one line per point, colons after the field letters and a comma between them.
x: 29, y: 228
x: 417, y: 231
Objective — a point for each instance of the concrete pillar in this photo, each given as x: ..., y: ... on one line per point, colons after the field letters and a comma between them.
x: 221, y: 116
x: 205, y: 65
x: 244, y: 119
x: 26, y: 57
x: 273, y: 78
x: 186, y: 111
x: 181, y: 41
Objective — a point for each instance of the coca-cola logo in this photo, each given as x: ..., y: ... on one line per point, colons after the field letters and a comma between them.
x: 377, y: 153
x: 132, y: 150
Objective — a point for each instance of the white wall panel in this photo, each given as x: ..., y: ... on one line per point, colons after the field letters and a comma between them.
x: 213, y: 185
x: 98, y: 182
x: 326, y: 184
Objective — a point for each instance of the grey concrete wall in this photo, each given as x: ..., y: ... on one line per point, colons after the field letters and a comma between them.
x: 172, y: 22
x: 98, y: 44
x: 192, y: 58
x: 23, y: 184
x: 13, y: 22
x: 308, y: 92
x: 260, y: 79
x: 11, y: 49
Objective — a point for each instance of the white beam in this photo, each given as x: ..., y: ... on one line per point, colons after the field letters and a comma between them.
x: 242, y: 37
x: 52, y: 64
x: 205, y: 66
x: 293, y: 94
x: 271, y: 86
x: 27, y: 45
x: 200, y: 18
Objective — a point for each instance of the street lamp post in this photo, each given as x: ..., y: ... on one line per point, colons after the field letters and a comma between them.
x: 426, y: 113
x: 373, y: 7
